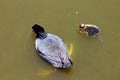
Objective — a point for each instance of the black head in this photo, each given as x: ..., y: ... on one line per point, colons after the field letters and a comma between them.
x: 37, y: 28
x: 39, y: 31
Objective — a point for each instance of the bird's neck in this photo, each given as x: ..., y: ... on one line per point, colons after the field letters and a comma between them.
x: 41, y: 36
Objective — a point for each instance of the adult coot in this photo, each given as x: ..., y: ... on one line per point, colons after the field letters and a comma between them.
x: 51, y: 48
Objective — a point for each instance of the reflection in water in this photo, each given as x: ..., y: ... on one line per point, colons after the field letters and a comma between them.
x: 99, y: 37
x: 44, y: 72
x: 70, y: 49
x: 67, y: 71
x: 48, y: 72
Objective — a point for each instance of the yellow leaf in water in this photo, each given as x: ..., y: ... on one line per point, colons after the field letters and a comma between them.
x: 45, y: 72
x: 70, y: 49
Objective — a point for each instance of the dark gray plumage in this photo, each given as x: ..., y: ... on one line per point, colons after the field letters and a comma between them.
x: 51, y: 48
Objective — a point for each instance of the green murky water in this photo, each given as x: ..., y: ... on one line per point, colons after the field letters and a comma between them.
x: 93, y: 60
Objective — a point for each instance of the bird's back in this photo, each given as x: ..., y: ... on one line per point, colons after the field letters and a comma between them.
x: 92, y: 31
x: 52, y: 48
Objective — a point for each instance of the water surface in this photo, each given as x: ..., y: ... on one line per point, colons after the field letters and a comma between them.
x: 92, y: 59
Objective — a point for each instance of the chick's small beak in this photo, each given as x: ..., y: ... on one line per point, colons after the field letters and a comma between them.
x: 78, y: 26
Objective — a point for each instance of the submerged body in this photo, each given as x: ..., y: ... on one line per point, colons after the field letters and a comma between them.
x: 53, y: 49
